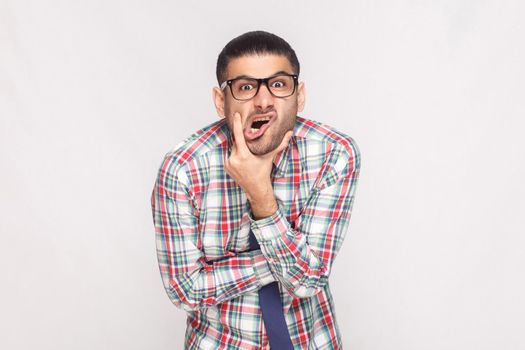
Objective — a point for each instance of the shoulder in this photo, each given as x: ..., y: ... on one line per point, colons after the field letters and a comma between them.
x: 343, y: 149
x: 192, y: 148
x: 199, y: 143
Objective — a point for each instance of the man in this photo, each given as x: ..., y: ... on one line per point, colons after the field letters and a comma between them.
x: 251, y: 211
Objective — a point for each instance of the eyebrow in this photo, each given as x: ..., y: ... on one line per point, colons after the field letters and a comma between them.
x: 244, y: 76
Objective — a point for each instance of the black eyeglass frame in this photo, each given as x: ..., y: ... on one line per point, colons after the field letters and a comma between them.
x: 260, y: 82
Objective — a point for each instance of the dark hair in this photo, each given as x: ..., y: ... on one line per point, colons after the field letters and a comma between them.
x: 254, y: 43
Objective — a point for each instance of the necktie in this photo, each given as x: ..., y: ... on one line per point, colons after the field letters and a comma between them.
x: 272, y: 311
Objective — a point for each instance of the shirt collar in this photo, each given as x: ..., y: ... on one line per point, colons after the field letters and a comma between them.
x: 281, y: 160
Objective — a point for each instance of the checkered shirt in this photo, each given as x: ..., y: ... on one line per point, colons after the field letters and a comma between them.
x: 202, y: 223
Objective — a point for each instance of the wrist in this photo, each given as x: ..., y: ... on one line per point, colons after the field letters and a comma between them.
x: 263, y: 208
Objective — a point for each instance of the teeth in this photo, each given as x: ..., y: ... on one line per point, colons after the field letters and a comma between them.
x: 261, y: 119
x: 254, y: 130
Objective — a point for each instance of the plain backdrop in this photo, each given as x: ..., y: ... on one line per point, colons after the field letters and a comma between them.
x: 94, y: 93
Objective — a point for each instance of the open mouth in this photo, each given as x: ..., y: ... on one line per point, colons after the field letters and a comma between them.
x: 258, y: 123
x: 258, y: 127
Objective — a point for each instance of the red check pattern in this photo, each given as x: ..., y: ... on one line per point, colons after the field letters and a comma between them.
x: 202, y: 223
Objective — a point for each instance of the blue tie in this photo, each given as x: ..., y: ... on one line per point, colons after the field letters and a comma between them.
x: 272, y: 311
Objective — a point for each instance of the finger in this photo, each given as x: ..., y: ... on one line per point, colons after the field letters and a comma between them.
x: 238, y: 133
x: 284, y: 143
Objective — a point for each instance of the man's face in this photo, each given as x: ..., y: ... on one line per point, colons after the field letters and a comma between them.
x: 281, y: 112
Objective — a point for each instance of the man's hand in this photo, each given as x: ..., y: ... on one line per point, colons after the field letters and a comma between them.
x: 253, y: 172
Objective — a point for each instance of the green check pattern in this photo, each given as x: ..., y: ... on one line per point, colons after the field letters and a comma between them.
x: 202, y: 223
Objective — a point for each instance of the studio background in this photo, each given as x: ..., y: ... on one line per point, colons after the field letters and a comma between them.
x: 94, y: 93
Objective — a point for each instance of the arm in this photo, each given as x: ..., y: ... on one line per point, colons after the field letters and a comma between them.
x: 190, y: 281
x: 302, y: 258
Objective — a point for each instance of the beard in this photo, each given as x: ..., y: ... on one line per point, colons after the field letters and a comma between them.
x: 274, y: 135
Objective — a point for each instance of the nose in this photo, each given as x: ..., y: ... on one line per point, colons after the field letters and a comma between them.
x: 264, y: 98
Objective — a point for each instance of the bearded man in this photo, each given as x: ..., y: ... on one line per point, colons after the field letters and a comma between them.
x: 251, y: 210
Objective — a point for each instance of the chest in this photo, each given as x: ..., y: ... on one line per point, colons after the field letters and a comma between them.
x: 224, y: 222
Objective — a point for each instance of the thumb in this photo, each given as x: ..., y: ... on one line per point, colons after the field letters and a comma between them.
x: 284, y: 143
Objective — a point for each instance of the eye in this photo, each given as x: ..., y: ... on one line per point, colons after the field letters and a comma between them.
x: 278, y: 84
x: 246, y: 87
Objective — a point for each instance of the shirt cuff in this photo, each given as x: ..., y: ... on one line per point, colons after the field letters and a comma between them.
x: 262, y: 268
x: 270, y: 227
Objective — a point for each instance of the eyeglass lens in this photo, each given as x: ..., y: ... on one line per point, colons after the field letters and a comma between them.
x: 246, y: 88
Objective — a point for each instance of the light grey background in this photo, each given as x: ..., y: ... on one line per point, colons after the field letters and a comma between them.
x: 94, y: 93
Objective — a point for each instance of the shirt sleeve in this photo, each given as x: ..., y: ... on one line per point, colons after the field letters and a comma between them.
x: 301, y: 254
x: 190, y: 281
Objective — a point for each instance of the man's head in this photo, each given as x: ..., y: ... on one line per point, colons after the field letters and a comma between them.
x: 268, y: 107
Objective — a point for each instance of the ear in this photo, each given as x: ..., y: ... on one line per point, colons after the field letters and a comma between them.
x: 218, y: 100
x: 300, y: 97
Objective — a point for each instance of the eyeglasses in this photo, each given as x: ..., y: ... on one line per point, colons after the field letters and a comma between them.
x: 279, y: 85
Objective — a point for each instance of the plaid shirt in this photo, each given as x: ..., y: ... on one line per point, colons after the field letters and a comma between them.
x: 202, y: 222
